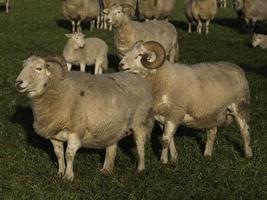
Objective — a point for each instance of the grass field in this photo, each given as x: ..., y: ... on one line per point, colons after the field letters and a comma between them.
x: 28, y: 168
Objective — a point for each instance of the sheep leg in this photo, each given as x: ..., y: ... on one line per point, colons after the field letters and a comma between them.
x: 189, y: 26
x: 109, y: 159
x: 243, y: 127
x: 59, y: 151
x: 98, y: 22
x: 74, y: 143
x: 173, y: 151
x: 105, y: 21
x: 73, y: 26
x: 211, y: 136
x: 169, y: 131
x: 79, y: 27
x: 7, y: 6
x: 110, y: 27
x: 82, y: 67
x: 69, y: 66
x: 199, y: 26
x: 92, y: 25
x: 207, y: 26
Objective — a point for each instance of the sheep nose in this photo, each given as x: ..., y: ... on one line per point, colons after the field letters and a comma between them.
x: 121, y: 65
x: 18, y: 82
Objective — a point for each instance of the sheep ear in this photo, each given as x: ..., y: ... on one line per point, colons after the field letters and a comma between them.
x: 47, y: 69
x: 106, y: 11
x: 68, y: 35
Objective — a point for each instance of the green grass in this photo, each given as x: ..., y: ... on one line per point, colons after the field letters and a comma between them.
x: 28, y: 168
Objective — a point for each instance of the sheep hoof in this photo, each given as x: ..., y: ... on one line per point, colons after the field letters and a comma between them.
x: 68, y: 177
x: 60, y: 173
x: 207, y: 154
x: 249, y: 153
x: 105, y: 172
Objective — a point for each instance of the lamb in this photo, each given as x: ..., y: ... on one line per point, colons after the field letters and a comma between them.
x: 200, y: 10
x: 129, y: 7
x: 155, y: 9
x: 128, y: 32
x: 259, y: 40
x: 201, y: 96
x: 93, y: 111
x: 86, y: 51
x: 77, y: 11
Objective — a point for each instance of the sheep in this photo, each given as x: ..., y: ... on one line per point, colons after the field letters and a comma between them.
x: 259, y: 40
x: 86, y: 51
x: 129, y: 7
x: 155, y: 9
x: 201, y: 96
x: 77, y: 11
x: 128, y: 32
x: 92, y: 111
x: 238, y: 6
x: 6, y: 4
x: 252, y: 10
x: 200, y: 10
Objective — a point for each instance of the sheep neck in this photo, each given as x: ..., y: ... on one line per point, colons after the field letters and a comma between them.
x: 69, y: 53
x: 50, y: 114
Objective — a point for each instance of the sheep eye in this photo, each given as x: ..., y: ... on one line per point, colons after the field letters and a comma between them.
x: 38, y: 69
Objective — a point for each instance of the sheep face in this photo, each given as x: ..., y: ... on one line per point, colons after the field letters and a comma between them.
x: 238, y: 4
x: 144, y: 57
x: 33, y: 77
x: 257, y: 39
x: 77, y: 40
x: 115, y: 15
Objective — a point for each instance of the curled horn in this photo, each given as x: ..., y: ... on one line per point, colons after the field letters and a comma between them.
x: 59, y: 60
x: 155, y: 47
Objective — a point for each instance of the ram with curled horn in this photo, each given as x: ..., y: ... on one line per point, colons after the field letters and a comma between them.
x: 199, y: 96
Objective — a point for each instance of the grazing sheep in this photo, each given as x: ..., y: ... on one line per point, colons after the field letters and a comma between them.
x: 201, y: 96
x: 77, y: 11
x: 129, y: 7
x: 128, y: 32
x: 259, y: 40
x: 93, y: 111
x: 86, y: 51
x: 200, y: 10
x: 155, y: 9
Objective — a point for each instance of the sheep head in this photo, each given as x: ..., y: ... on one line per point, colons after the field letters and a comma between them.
x: 257, y: 39
x: 115, y: 15
x: 144, y: 56
x: 36, y: 73
x: 76, y: 39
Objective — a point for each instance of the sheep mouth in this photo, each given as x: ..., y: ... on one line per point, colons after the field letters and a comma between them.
x: 22, y: 89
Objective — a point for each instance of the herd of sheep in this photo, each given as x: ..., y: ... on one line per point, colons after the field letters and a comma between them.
x: 96, y: 111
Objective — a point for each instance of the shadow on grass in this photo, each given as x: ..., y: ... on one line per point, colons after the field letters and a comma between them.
x: 233, y: 23
x: 258, y: 68
x: 180, y: 24
x: 64, y: 24
x: 2, y: 8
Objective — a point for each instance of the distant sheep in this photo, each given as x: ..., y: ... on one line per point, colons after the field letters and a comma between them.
x: 93, y: 111
x: 77, y: 11
x: 200, y: 10
x: 259, y: 40
x: 86, y: 51
x: 200, y: 96
x: 155, y: 9
x: 128, y: 32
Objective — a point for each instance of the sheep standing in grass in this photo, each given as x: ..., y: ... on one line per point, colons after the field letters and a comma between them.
x: 201, y: 96
x: 259, y: 40
x: 155, y: 9
x: 86, y: 51
x: 200, y: 10
x: 128, y: 32
x: 93, y: 111
x: 77, y: 11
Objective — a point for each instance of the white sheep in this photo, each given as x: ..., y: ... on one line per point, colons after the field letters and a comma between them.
x: 129, y: 7
x: 86, y: 51
x: 77, y: 11
x: 259, y: 40
x: 155, y: 9
x: 201, y: 96
x: 200, y: 10
x: 93, y: 111
x: 128, y: 32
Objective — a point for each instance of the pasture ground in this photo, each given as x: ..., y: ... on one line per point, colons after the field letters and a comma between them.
x: 28, y: 168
